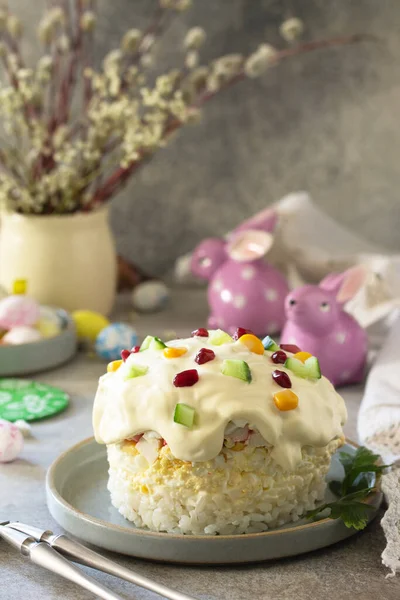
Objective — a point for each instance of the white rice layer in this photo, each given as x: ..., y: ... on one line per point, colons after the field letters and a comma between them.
x: 243, y: 491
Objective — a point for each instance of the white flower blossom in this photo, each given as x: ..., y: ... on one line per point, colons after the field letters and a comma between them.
x: 56, y: 15
x: 194, y: 38
x: 88, y: 21
x: 112, y: 60
x: 63, y: 44
x: 228, y: 65
x: 257, y: 63
x: 192, y: 59
x: 178, y: 5
x: 291, y: 29
x: 14, y: 26
x: 131, y: 40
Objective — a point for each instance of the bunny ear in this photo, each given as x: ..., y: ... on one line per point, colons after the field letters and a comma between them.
x: 345, y: 285
x: 266, y: 220
x: 249, y: 245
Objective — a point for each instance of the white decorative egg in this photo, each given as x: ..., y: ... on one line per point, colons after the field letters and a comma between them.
x: 18, y: 310
x: 11, y: 441
x: 150, y: 296
x: 21, y: 335
x: 113, y: 339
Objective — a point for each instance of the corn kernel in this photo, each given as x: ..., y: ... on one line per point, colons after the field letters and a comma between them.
x: 252, y: 342
x: 286, y: 400
x: 114, y: 366
x: 20, y: 286
x: 174, y: 352
x: 144, y: 489
x: 238, y: 447
x: 302, y: 356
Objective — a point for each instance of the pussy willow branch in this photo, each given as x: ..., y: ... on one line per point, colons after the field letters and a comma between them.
x: 156, y: 28
x: 119, y: 177
x: 68, y: 82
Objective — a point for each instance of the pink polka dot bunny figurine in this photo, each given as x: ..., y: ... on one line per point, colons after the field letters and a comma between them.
x: 244, y: 290
x: 317, y: 323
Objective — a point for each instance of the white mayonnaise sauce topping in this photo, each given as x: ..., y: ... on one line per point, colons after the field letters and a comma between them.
x: 124, y: 408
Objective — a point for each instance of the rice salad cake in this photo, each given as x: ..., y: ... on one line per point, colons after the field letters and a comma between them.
x: 216, y: 434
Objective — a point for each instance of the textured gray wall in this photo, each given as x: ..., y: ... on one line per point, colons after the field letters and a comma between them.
x: 327, y: 122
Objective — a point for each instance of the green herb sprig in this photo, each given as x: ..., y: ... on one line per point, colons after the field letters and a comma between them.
x: 361, y: 473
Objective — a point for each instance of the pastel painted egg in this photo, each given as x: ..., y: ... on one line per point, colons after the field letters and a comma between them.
x: 150, y: 296
x: 89, y: 324
x: 50, y: 322
x: 113, y: 339
x: 18, y: 310
x: 48, y: 328
x: 11, y: 441
x: 21, y: 335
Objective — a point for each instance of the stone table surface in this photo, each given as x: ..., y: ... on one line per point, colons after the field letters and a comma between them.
x: 349, y: 570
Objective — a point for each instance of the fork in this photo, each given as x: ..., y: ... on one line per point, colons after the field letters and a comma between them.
x: 45, y: 556
x: 66, y: 548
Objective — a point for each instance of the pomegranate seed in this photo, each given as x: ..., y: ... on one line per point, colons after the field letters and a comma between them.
x: 202, y: 332
x: 125, y: 354
x: 135, y: 349
x: 186, y: 378
x: 279, y: 357
x: 281, y: 378
x: 204, y: 355
x: 290, y: 348
x: 241, y: 331
x: 164, y: 443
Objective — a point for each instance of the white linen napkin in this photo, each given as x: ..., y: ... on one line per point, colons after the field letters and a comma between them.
x: 379, y: 430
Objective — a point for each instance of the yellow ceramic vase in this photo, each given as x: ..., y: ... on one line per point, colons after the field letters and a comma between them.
x: 68, y: 260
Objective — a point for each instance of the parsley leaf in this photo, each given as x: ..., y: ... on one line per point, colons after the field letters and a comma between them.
x: 362, y: 462
x: 354, y: 514
x: 361, y: 473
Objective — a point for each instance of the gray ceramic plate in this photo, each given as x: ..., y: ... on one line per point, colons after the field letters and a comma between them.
x: 78, y: 499
x: 26, y: 359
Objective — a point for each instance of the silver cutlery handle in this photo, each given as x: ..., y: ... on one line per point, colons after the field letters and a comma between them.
x: 43, y: 555
x: 86, y: 556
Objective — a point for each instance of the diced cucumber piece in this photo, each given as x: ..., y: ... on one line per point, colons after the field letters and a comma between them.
x: 154, y: 343
x: 236, y: 368
x: 308, y: 370
x: 135, y: 371
x: 146, y: 343
x: 269, y: 344
x: 313, y: 367
x: 218, y: 337
x: 157, y: 344
x: 184, y: 415
x: 297, y: 367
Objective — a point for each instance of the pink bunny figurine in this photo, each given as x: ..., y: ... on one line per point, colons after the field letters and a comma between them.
x: 244, y: 290
x: 317, y: 323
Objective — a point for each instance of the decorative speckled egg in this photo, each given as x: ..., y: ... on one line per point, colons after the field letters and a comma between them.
x: 115, y: 338
x: 150, y: 296
x: 18, y: 310
x: 49, y: 324
x: 21, y: 335
x: 89, y: 324
x: 11, y: 441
